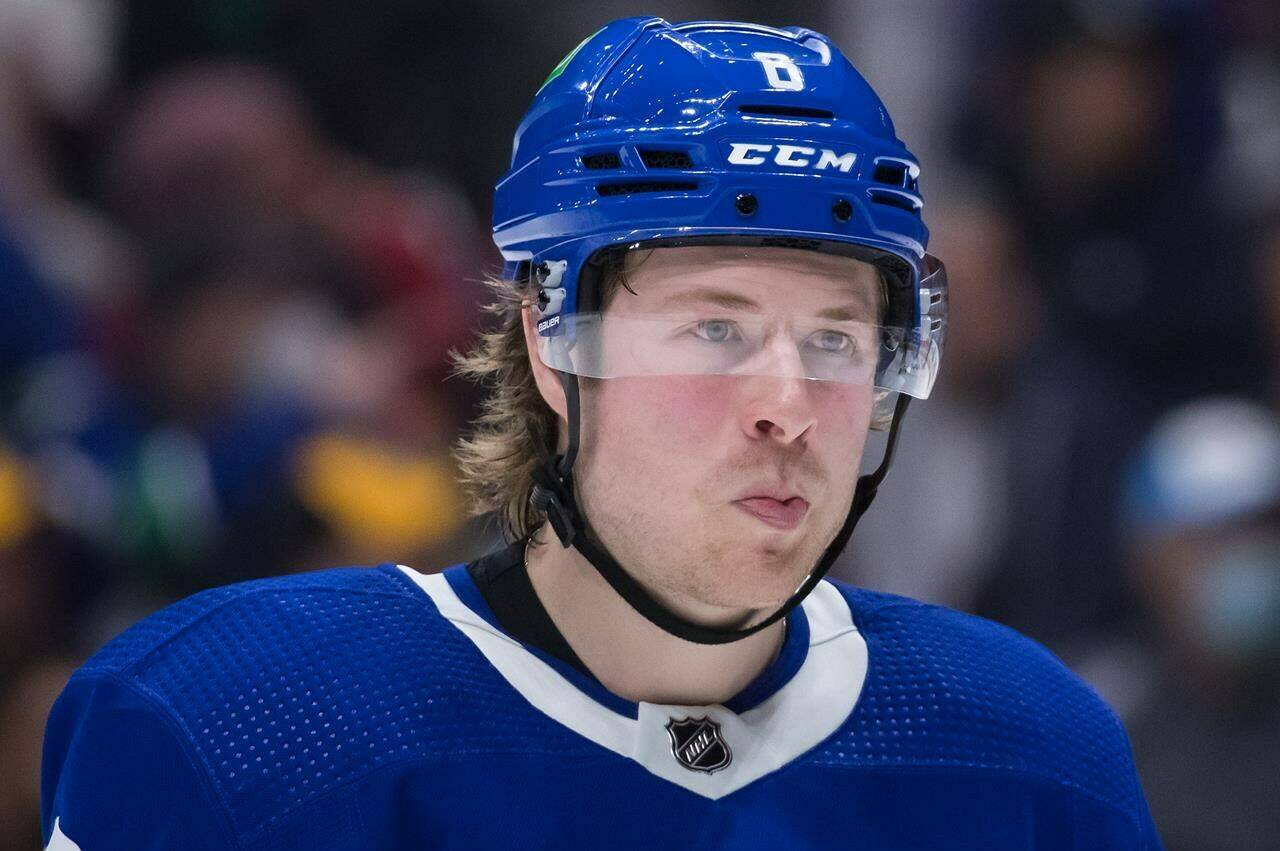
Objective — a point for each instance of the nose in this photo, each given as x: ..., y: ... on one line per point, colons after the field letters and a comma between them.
x: 778, y: 406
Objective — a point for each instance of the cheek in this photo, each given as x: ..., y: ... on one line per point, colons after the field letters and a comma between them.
x: 844, y: 420
x: 846, y: 411
x: 694, y: 408
x: 676, y: 427
x: 649, y: 448
x: 659, y: 417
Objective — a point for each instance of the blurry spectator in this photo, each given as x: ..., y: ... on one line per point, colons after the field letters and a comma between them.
x: 259, y: 413
x: 1203, y: 704
x: 1266, y: 274
x: 34, y: 321
x: 153, y: 455
x: 1147, y: 302
x: 56, y: 64
x: 380, y: 499
x: 213, y: 135
x: 911, y: 51
x: 1250, y: 94
x: 1124, y: 235
x: 237, y: 139
x: 1060, y: 578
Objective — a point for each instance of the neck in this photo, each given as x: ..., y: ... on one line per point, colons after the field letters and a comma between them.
x: 632, y: 657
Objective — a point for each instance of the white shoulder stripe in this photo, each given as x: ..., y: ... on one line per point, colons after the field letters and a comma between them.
x: 59, y: 841
x: 811, y: 706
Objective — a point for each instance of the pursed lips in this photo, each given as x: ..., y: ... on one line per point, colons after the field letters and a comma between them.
x: 781, y: 508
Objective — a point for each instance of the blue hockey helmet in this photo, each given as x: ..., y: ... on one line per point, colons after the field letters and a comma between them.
x: 651, y: 133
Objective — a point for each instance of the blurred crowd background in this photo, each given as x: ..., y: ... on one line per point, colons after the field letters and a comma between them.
x: 239, y: 237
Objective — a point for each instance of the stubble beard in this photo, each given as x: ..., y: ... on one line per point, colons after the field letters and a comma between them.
x: 720, y: 567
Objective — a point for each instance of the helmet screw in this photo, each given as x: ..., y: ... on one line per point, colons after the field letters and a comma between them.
x: 746, y: 204
x: 842, y: 210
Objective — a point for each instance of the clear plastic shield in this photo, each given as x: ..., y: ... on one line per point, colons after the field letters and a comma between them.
x: 764, y: 312
x: 599, y: 345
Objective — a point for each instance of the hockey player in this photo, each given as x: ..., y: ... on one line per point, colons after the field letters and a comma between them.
x: 716, y: 285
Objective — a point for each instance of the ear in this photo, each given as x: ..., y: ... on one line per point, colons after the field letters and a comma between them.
x: 545, y: 377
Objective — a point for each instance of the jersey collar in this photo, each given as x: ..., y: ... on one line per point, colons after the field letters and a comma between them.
x: 798, y: 701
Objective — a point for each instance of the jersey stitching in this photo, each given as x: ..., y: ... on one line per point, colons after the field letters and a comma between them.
x: 165, y: 714
x: 143, y: 656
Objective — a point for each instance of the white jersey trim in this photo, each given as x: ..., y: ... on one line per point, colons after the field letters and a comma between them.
x: 808, y: 709
x: 59, y: 841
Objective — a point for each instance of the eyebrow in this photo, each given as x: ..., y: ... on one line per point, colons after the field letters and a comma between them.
x: 735, y: 301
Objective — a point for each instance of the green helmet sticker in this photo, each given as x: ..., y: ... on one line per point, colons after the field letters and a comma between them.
x: 564, y: 63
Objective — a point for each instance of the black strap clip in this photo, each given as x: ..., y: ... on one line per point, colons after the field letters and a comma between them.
x: 554, y: 497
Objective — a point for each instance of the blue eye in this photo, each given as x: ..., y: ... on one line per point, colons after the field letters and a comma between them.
x: 715, y: 330
x: 833, y: 342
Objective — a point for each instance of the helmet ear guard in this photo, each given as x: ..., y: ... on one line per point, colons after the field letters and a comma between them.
x: 656, y: 135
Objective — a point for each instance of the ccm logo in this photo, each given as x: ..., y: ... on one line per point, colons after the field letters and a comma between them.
x: 790, y: 156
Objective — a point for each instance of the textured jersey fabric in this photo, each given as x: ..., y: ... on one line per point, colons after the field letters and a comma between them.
x: 341, y: 710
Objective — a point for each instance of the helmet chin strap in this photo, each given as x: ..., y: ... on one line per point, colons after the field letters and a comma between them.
x: 553, y: 494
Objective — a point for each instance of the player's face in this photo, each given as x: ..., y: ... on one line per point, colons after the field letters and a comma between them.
x: 724, y: 490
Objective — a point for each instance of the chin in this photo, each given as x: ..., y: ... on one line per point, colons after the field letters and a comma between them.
x: 774, y: 550
x: 761, y: 576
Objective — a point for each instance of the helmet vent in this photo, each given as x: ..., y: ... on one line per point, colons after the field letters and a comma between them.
x: 666, y: 159
x: 890, y: 173
x: 787, y: 111
x: 605, y: 159
x: 608, y: 189
x: 892, y: 199
x: 895, y: 173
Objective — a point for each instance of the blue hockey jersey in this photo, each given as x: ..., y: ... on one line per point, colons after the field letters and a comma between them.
x: 382, y: 708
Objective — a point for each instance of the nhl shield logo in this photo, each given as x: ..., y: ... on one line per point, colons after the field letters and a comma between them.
x: 696, y: 744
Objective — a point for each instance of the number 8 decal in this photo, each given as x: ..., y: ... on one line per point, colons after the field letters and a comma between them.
x: 781, y: 70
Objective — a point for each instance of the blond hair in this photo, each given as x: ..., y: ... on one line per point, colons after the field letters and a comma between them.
x: 497, y: 458
x: 515, y: 426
